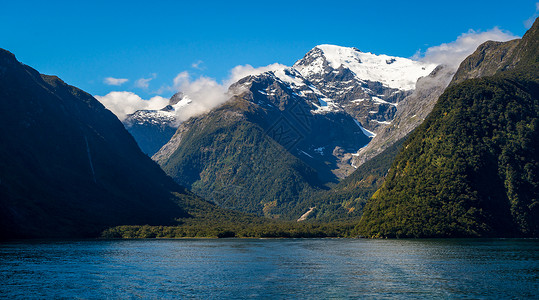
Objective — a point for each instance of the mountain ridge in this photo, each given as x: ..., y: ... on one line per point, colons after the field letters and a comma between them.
x: 69, y: 168
x: 313, y: 121
x: 470, y: 169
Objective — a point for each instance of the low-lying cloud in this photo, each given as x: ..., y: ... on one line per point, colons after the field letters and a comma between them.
x: 239, y: 72
x: 124, y: 103
x: 452, y: 54
x: 115, y: 81
x: 204, y: 92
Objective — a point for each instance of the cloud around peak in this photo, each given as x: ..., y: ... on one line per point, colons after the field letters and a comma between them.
x: 124, y: 103
x: 204, y: 92
x: 453, y: 53
x: 207, y: 93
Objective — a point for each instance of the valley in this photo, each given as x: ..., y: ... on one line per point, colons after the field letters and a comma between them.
x: 343, y: 143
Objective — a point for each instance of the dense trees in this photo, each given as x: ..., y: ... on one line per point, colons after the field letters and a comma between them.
x: 471, y: 169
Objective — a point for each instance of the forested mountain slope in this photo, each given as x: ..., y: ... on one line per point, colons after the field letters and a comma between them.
x: 472, y: 168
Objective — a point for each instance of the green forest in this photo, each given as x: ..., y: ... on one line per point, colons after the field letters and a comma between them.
x: 471, y: 169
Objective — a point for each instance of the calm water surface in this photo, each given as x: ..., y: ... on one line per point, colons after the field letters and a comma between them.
x: 276, y: 268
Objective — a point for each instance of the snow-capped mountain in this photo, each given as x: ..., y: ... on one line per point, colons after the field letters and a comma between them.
x: 330, y: 78
x: 319, y: 112
x: 363, y: 87
x: 367, y: 86
x: 392, y: 72
x: 164, y: 116
x: 154, y: 128
x: 361, y: 90
x: 317, y: 130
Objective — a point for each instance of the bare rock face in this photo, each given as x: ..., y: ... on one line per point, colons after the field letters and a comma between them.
x: 489, y: 58
x: 410, y: 113
x: 315, y: 116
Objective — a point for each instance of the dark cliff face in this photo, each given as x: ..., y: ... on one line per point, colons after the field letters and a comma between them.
x: 68, y: 167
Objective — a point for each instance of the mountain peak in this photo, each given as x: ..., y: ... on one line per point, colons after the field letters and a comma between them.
x: 176, y: 98
x: 6, y: 54
x: 393, y: 72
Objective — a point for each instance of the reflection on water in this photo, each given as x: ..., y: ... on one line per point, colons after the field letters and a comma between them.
x: 278, y: 268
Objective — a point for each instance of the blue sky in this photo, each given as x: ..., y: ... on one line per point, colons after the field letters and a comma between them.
x: 85, y: 42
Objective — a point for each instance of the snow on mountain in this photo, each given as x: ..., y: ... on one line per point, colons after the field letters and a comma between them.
x: 154, y: 128
x: 339, y: 81
x: 332, y: 78
x: 164, y: 116
x: 329, y: 80
x: 393, y: 72
x: 366, y: 86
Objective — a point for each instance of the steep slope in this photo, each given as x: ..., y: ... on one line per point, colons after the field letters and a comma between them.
x: 489, y: 58
x: 302, y: 123
x: 308, y: 124
x: 411, y: 112
x: 369, y: 87
x: 68, y: 167
x: 229, y: 158
x: 346, y: 200
x: 471, y: 168
x: 153, y: 128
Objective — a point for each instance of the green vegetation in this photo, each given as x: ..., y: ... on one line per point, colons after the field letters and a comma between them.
x: 229, y: 160
x: 471, y: 169
x: 229, y: 230
x: 208, y: 221
x: 346, y: 200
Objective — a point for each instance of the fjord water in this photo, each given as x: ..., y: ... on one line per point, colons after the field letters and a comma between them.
x: 273, y: 268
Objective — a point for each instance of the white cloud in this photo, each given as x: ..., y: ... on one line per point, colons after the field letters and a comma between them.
x: 239, y: 72
x: 198, y: 65
x: 529, y: 22
x: 452, y: 54
x: 205, y: 93
x: 124, y: 103
x: 144, y: 83
x: 115, y: 81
